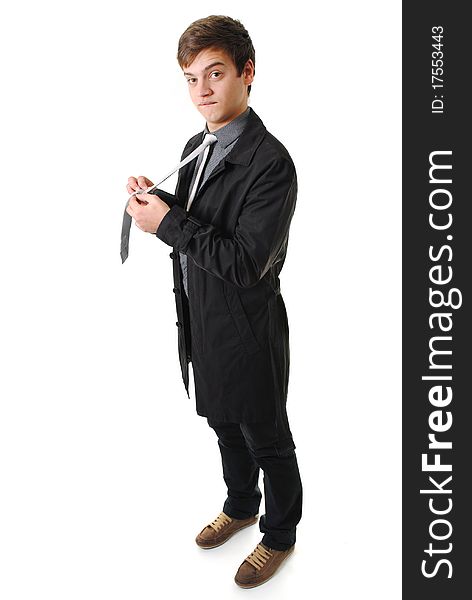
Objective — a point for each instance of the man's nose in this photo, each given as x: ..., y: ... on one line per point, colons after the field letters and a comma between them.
x: 204, y: 90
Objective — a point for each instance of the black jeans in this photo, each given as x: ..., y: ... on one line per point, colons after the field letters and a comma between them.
x: 247, y: 447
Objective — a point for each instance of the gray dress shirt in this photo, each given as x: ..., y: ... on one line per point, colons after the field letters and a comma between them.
x: 227, y: 137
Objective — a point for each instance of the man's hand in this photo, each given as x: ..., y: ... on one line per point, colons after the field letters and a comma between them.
x: 147, y: 210
x: 140, y: 183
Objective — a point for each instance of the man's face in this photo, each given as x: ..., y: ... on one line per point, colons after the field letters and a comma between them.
x: 215, y: 88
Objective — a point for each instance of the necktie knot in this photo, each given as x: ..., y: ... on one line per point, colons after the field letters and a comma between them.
x: 209, y: 139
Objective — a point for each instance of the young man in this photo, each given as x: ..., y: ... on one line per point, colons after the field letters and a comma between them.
x: 228, y: 225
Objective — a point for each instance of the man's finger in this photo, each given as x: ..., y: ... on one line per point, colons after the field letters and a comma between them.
x: 144, y: 182
x: 133, y: 205
x: 146, y: 197
x: 132, y: 185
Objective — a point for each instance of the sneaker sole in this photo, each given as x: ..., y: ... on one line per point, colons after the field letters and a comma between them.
x: 229, y: 537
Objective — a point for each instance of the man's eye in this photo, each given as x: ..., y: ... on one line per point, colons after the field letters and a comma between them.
x: 191, y: 80
x: 215, y: 73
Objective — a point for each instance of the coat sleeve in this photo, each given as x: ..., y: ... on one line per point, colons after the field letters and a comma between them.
x: 243, y: 258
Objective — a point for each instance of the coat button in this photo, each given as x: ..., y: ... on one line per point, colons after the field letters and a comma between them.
x: 179, y: 324
x: 172, y: 255
x: 176, y: 290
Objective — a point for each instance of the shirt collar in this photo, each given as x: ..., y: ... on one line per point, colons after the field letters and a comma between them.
x: 227, y: 134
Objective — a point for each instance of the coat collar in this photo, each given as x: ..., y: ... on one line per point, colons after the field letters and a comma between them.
x: 249, y: 141
x: 247, y: 144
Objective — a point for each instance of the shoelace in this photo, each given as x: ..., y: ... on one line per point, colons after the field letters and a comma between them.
x: 220, y: 521
x: 259, y: 557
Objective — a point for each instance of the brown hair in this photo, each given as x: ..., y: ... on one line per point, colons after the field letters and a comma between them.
x: 220, y: 32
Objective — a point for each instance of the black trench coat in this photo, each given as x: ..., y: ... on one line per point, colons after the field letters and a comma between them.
x: 234, y: 326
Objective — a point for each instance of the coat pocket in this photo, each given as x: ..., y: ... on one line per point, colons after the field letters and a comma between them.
x: 240, y: 319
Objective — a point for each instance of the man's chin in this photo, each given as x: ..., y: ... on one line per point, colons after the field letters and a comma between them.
x: 207, y: 111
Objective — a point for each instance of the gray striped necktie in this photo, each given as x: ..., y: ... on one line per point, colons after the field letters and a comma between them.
x: 125, y: 229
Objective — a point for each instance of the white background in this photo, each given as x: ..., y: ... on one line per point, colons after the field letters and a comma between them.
x: 106, y: 471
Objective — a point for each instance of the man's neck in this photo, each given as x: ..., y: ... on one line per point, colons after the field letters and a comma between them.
x: 211, y: 128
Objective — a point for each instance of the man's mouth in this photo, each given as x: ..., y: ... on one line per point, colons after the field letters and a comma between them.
x: 206, y: 103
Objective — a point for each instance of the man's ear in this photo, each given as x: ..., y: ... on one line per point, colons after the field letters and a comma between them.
x: 248, y: 72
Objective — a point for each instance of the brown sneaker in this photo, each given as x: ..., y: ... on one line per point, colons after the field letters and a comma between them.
x: 260, y: 565
x: 221, y: 529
